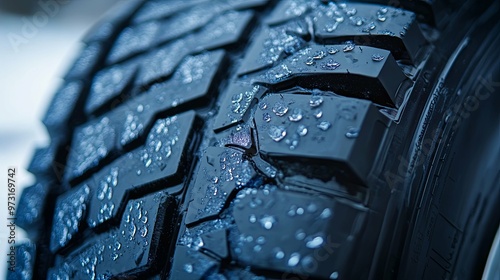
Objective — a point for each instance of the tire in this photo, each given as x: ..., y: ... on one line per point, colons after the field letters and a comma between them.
x: 255, y: 139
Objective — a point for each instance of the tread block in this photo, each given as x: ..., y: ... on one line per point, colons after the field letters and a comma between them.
x: 191, y: 265
x: 70, y: 211
x: 222, y: 170
x: 290, y: 9
x: 161, y: 63
x: 112, y: 21
x: 370, y: 25
x: 330, y: 135
x: 92, y: 143
x: 238, y: 136
x: 190, y: 20
x: 108, y: 85
x: 133, y: 40
x: 216, y: 243
x: 233, y: 107
x: 315, y: 226
x: 361, y: 72
x: 272, y: 44
x: 87, y: 61
x: 131, y: 249
x: 191, y: 82
x: 224, y: 30
x: 24, y: 262
x: 61, y: 108
x: 161, y: 158
x: 95, y: 141
x: 158, y: 9
x: 31, y: 205
x: 432, y: 12
x: 42, y: 160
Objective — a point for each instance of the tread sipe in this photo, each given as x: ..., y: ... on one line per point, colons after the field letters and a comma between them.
x: 228, y: 139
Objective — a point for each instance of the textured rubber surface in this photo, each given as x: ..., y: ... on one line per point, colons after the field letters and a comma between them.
x: 224, y: 140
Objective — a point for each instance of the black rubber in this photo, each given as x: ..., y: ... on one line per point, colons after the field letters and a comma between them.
x: 256, y: 139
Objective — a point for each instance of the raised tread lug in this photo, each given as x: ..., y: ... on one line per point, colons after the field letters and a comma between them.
x: 238, y: 99
x: 69, y: 214
x: 86, y: 62
x: 191, y: 265
x: 361, y: 72
x: 343, y: 140
x: 62, y: 107
x: 159, y: 163
x: 30, y: 213
x: 110, y: 84
x: 132, y: 248
x: 222, y: 171
x: 24, y: 262
x: 317, y: 227
x: 272, y: 44
x: 386, y: 27
x: 96, y: 140
x: 216, y: 243
x: 133, y: 40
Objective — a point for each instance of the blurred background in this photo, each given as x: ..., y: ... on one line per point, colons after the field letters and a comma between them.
x: 38, y: 41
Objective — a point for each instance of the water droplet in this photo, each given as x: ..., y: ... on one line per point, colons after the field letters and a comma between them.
x: 352, y: 133
x: 237, y: 98
x: 267, y: 221
x: 334, y: 275
x: 326, y: 213
x: 296, y: 115
x: 294, y: 259
x: 333, y: 50
x: 279, y: 254
x: 319, y: 55
x: 369, y: 27
x: 188, y: 268
x: 350, y: 11
x: 261, y: 240
x: 252, y: 218
x: 318, y: 113
x: 331, y: 65
x: 315, y: 100
x: 266, y: 117
x: 377, y: 57
x: 300, y: 211
x: 308, y: 262
x: 302, y: 130
x: 140, y: 108
x: 330, y: 27
x: 257, y: 248
x: 315, y: 242
x: 144, y: 231
x: 349, y: 47
x: 263, y: 105
x: 277, y: 133
x: 357, y: 21
x: 309, y: 61
x: 324, y: 125
x: 311, y: 208
x: 280, y: 108
x: 300, y: 234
